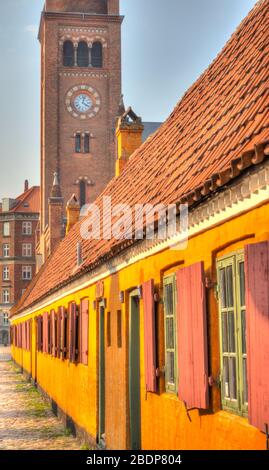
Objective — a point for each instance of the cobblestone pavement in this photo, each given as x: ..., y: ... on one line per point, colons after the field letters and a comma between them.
x: 26, y: 420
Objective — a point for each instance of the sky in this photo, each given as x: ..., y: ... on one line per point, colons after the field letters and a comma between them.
x: 166, y: 45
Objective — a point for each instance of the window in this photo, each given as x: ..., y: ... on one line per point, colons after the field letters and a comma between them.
x: 6, y: 322
x: 231, y: 289
x: 27, y: 273
x: 6, y: 250
x: 108, y: 329
x: 78, y: 143
x: 170, y: 334
x: 82, y: 193
x: 119, y: 329
x: 97, y: 54
x: 86, y: 143
x: 5, y: 296
x: 83, y: 54
x: 68, y: 54
x: 27, y: 228
x: 5, y: 273
x: 27, y: 250
x: 6, y: 229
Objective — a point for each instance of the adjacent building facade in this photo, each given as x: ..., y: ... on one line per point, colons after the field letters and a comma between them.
x: 18, y: 221
x: 163, y: 342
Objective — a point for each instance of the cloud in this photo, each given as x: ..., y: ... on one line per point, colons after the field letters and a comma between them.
x: 31, y: 29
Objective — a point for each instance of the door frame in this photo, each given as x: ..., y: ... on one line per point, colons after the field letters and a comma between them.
x: 101, y: 367
x: 134, y: 402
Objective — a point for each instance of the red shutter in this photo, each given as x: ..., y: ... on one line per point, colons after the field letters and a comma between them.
x: 45, y: 332
x: 72, y: 332
x: 84, y: 331
x: 59, y: 324
x: 53, y: 333
x: 27, y: 335
x: 192, y: 337
x: 62, y: 310
x: 23, y: 335
x: 257, y: 332
x: 149, y: 336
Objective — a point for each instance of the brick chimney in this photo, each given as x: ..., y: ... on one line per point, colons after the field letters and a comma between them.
x: 129, y: 136
x: 56, y: 206
x: 73, y: 212
x: 26, y: 185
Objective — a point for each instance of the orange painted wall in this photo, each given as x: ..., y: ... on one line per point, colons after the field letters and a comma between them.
x: 165, y: 424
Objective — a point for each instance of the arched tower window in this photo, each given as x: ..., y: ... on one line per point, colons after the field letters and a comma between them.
x: 97, y: 54
x: 82, y: 193
x: 83, y: 55
x: 68, y: 54
x: 87, y: 143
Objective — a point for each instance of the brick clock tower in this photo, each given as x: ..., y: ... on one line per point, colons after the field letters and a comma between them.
x: 80, y: 96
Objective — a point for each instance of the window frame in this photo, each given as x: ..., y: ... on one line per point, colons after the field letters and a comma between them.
x: 27, y: 228
x: 6, y: 291
x: 6, y: 270
x: 6, y: 250
x: 169, y: 387
x: 5, y: 225
x: 237, y: 406
x: 25, y: 270
x: 25, y: 247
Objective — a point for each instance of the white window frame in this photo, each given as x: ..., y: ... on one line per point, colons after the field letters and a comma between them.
x: 6, y: 250
x: 6, y: 229
x: 27, y: 228
x: 6, y: 296
x: 26, y: 273
x: 6, y: 273
x: 27, y: 250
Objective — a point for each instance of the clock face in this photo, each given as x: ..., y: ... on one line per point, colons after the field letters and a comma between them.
x: 83, y: 103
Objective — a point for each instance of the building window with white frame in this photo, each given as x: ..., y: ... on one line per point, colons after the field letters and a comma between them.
x: 5, y: 273
x: 6, y: 229
x: 6, y: 321
x: 27, y: 273
x: 5, y: 296
x: 27, y: 228
x: 27, y: 250
x: 6, y: 250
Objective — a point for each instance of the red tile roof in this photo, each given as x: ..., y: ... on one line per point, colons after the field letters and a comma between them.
x: 29, y: 201
x: 207, y: 140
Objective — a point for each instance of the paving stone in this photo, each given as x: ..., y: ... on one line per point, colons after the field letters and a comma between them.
x: 26, y: 420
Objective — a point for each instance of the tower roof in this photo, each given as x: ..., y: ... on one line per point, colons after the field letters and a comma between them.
x: 77, y: 6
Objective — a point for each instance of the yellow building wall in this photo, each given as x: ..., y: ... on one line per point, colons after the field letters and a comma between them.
x: 164, y: 421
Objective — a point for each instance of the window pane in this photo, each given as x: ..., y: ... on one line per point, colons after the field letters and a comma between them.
x: 229, y: 280
x: 170, y: 367
x: 231, y: 332
x: 245, y: 381
x: 170, y: 344
x: 224, y: 332
x: 226, y: 386
x: 243, y: 324
x: 232, y: 378
x: 242, y: 284
x: 169, y: 299
x: 223, y: 288
x: 83, y: 54
x: 87, y: 143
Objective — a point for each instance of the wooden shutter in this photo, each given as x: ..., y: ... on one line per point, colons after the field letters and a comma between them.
x: 72, y: 332
x: 149, y: 336
x: 27, y: 335
x: 192, y: 337
x: 45, y: 333
x: 257, y: 332
x: 23, y: 335
x: 53, y: 332
x: 59, y: 325
x: 84, y: 331
x: 62, y: 338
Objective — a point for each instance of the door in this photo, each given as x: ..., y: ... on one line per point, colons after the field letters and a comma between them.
x: 101, y: 430
x: 134, y: 372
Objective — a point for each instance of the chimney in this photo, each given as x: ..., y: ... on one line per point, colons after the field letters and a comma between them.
x: 129, y: 137
x: 56, y: 205
x: 26, y: 185
x: 73, y: 212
